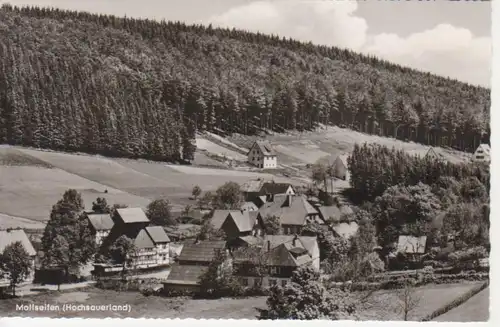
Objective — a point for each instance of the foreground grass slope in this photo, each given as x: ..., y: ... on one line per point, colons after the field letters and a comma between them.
x: 473, y: 310
x: 376, y: 307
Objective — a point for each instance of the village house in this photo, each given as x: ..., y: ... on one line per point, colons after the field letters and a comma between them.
x: 192, y: 263
x: 432, y: 155
x: 236, y: 223
x: 151, y: 242
x: 293, y: 211
x: 101, y: 225
x: 412, y: 247
x: 11, y: 236
x: 340, y: 167
x: 262, y: 155
x: 334, y: 213
x: 273, y: 260
x: 482, y: 154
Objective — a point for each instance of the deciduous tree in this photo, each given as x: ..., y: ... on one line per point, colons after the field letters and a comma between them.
x: 16, y: 261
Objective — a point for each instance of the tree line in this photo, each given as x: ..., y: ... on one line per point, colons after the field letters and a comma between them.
x: 77, y: 81
x: 409, y: 195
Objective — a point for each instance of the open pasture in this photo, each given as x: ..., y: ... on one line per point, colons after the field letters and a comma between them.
x: 385, y: 304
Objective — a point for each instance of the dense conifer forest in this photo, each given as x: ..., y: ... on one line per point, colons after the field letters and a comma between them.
x: 76, y: 81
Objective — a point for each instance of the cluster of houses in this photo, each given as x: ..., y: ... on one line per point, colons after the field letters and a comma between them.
x: 255, y: 256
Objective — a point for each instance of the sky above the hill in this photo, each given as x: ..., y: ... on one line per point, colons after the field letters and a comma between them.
x: 448, y: 38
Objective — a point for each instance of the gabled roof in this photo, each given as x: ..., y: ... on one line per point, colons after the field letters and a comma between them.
x: 157, y: 234
x: 8, y: 237
x: 132, y: 215
x: 346, y: 230
x: 485, y: 147
x: 100, y: 221
x: 281, y: 255
x: 219, y: 217
x: 202, y: 252
x: 185, y: 274
x: 242, y: 220
x: 307, y: 242
x: 143, y: 240
x: 432, y: 154
x: 265, y: 147
x: 330, y: 212
x: 292, y: 209
x: 411, y: 244
x: 274, y: 188
x: 342, y: 159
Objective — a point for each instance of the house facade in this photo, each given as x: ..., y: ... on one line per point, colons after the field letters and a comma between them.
x: 11, y: 236
x: 273, y: 261
x: 482, y: 154
x: 101, y: 225
x: 151, y: 242
x: 262, y: 155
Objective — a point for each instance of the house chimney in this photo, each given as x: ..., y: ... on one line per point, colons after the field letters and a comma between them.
x: 294, y: 242
x: 268, y: 245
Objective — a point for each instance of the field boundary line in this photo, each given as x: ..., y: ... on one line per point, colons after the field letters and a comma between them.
x: 456, y: 302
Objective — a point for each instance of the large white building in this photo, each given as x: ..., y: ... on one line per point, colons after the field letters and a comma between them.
x: 262, y: 155
x: 482, y: 153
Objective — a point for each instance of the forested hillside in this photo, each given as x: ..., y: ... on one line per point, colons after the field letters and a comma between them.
x: 76, y: 81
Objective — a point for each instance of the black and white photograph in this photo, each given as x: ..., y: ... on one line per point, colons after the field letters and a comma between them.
x: 244, y: 159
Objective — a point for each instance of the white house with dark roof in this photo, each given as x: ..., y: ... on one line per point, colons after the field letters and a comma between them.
x: 101, y: 225
x: 152, y: 244
x: 11, y: 236
x: 482, y: 153
x: 262, y: 155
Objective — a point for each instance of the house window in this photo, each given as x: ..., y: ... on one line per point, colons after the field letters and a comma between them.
x: 283, y: 282
x: 244, y: 281
x: 479, y: 157
x: 272, y: 282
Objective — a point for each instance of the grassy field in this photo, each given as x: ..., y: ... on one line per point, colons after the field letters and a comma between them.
x: 473, y: 310
x: 379, y: 306
x: 385, y: 305
x: 15, y: 222
x: 33, y: 180
x: 299, y: 148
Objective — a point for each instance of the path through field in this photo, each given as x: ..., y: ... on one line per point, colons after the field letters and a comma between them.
x: 473, y: 310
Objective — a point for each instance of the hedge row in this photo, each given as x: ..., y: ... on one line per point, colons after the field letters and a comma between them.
x: 400, y: 282
x: 455, y: 303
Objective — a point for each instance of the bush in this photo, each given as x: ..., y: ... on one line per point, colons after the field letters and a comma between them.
x: 177, y: 293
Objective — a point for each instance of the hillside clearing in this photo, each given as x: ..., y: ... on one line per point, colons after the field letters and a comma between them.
x: 215, y: 149
x: 308, y: 147
x: 31, y: 192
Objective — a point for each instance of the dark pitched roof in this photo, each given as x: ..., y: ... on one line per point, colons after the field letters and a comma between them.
x: 185, y: 274
x: 307, y: 242
x: 202, y: 252
x: 132, y: 215
x: 265, y: 147
x: 8, y: 237
x: 330, y: 212
x: 219, y: 217
x: 292, y: 209
x: 100, y: 221
x: 242, y: 220
x: 281, y: 255
x: 274, y: 188
x: 157, y: 234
